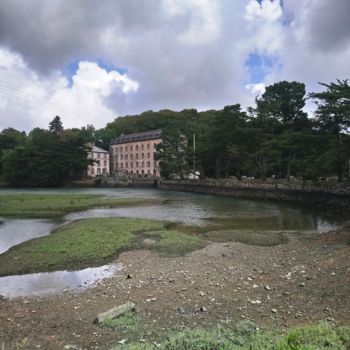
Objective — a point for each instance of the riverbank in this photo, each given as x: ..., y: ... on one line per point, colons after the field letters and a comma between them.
x: 303, y: 281
x: 56, y: 205
x: 328, y: 196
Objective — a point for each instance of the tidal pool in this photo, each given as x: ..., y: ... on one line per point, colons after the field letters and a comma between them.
x: 39, y: 284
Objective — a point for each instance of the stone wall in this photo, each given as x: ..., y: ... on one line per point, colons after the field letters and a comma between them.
x: 338, y: 197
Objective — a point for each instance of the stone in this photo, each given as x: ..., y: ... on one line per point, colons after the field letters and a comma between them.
x: 115, y: 312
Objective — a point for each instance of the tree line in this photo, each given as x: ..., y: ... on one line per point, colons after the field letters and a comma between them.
x: 275, y: 137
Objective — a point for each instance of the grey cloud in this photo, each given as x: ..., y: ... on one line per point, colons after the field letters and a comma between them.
x: 49, y: 34
x: 329, y: 26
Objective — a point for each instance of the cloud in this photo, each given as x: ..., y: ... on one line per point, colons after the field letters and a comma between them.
x: 27, y: 99
x: 256, y: 89
x: 174, y: 54
x: 269, y: 10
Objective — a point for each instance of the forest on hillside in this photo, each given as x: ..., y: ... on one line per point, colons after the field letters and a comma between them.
x: 275, y: 137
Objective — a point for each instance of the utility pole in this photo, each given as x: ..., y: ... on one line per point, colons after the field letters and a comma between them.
x: 194, y: 156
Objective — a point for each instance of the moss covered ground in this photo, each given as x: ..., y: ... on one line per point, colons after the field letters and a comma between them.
x: 55, y: 205
x: 93, y: 242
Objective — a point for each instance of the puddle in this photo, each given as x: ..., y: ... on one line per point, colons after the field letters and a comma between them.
x: 16, y: 231
x: 40, y: 284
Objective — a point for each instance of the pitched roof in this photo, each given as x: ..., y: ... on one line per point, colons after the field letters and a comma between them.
x: 139, y: 136
x: 98, y: 149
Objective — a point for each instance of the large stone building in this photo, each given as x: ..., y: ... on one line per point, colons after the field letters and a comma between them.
x: 100, y: 165
x: 134, y: 154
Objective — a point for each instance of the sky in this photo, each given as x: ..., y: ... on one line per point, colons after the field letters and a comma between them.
x: 91, y: 61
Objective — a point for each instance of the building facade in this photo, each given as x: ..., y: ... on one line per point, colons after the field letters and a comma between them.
x: 101, y: 162
x: 134, y: 154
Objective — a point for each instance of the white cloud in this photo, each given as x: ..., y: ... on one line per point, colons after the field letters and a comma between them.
x: 256, y: 89
x: 34, y: 101
x: 266, y: 32
x: 177, y: 54
x: 269, y: 10
x: 205, y: 20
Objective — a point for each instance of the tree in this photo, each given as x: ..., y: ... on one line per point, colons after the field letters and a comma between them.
x: 333, y: 115
x: 284, y: 101
x: 55, y: 126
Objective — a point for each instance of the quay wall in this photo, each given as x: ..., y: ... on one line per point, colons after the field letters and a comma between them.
x: 306, y: 194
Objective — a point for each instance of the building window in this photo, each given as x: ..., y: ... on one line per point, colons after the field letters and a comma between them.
x: 148, y: 164
x: 126, y: 164
x: 148, y: 155
x: 137, y: 156
x: 148, y: 147
x: 154, y: 155
x: 121, y: 165
x: 137, y: 164
x: 143, y: 164
x: 126, y: 148
x: 149, y: 172
x: 142, y: 147
x: 92, y: 171
x: 116, y: 158
x: 121, y: 157
x: 126, y: 157
x: 131, y: 164
x: 131, y: 157
x: 130, y: 148
x: 154, y: 146
x: 105, y: 163
x: 142, y: 155
x: 137, y: 147
x: 98, y: 155
x: 98, y: 171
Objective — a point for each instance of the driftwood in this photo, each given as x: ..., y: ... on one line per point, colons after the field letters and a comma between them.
x: 115, y: 312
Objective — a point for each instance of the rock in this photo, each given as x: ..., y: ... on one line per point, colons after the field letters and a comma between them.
x: 203, y: 309
x: 181, y: 310
x: 128, y: 277
x: 201, y: 294
x: 71, y: 347
x: 267, y: 287
x: 302, y: 284
x: 274, y: 311
x: 256, y: 302
x: 115, y: 312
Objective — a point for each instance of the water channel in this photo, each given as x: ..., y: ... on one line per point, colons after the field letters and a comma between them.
x: 186, y: 208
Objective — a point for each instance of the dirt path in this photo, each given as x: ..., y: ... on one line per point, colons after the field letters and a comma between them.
x: 304, y: 281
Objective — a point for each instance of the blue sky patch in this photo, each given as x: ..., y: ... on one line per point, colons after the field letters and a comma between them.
x: 258, y: 66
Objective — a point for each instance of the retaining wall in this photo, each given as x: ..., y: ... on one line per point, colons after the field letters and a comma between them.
x: 324, y: 196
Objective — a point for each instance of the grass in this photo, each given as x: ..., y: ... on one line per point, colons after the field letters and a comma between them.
x: 257, y: 238
x: 246, y: 336
x: 129, y: 323
x: 93, y: 242
x: 55, y: 205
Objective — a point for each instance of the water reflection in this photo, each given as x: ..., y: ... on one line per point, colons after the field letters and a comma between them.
x: 38, y: 284
x: 15, y: 231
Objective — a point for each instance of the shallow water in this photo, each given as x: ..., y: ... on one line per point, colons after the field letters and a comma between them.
x: 185, y: 208
x: 39, y: 284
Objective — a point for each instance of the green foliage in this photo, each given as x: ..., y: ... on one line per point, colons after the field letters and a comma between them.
x: 46, y: 158
x: 247, y: 336
x: 333, y: 116
x: 92, y: 242
x: 274, y: 138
